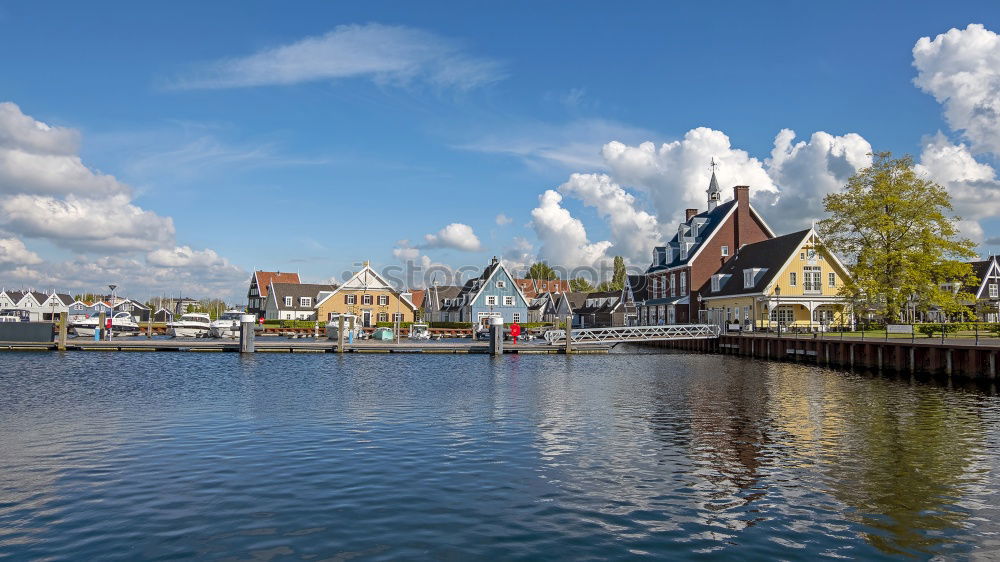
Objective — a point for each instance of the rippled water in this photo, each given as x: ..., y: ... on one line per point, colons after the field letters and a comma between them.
x: 156, y: 455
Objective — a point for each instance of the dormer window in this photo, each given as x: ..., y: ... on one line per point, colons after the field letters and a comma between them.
x: 694, y: 230
x: 716, y: 283
x: 288, y: 301
x: 684, y: 252
x: 747, y: 278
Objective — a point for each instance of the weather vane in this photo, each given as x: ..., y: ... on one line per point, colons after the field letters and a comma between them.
x: 713, y: 165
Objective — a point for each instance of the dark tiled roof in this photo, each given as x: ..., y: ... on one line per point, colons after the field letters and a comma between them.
x: 707, y: 223
x: 297, y: 290
x: 770, y: 254
x: 981, y: 268
x: 640, y: 287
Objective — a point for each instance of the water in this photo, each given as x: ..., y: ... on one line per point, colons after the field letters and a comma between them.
x: 279, y: 456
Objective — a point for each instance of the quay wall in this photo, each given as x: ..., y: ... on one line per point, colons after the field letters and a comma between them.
x: 903, y: 356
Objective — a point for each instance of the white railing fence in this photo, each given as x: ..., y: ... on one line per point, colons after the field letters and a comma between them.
x: 621, y: 334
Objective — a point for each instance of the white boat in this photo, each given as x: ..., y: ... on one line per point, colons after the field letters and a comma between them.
x: 190, y: 325
x: 420, y: 332
x: 122, y: 324
x: 14, y: 315
x: 227, y: 326
x: 333, y: 327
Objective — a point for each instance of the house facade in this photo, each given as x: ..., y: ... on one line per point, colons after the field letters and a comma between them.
x: 568, y: 304
x: 494, y: 294
x: 368, y: 296
x: 987, y: 303
x: 294, y: 301
x: 258, y: 291
x: 701, y: 245
x: 41, y: 307
x: 789, y: 280
x: 437, y: 303
x: 532, y: 288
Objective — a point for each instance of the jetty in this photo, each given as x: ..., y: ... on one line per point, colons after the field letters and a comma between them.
x: 275, y: 345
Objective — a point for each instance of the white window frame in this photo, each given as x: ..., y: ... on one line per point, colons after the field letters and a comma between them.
x: 748, y: 278
x: 352, y: 299
x: 379, y: 317
x: 305, y: 301
x: 501, y: 284
x: 831, y: 279
x: 683, y: 289
x: 994, y: 291
x: 366, y: 300
x: 397, y: 316
x: 725, y: 251
x: 508, y: 300
x: 783, y: 313
x: 715, y: 283
x: 288, y: 301
x: 384, y: 298
x: 673, y: 284
x: 793, y: 279
x: 491, y: 300
x: 517, y: 317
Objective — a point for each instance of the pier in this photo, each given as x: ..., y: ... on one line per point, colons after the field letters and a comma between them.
x: 268, y: 345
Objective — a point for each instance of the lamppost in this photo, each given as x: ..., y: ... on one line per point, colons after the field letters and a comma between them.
x: 111, y: 319
x: 777, y: 295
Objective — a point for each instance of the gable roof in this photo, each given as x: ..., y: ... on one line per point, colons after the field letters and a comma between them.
x: 982, y: 270
x: 435, y: 296
x: 297, y: 291
x: 265, y: 278
x: 639, y: 284
x: 417, y: 297
x: 366, y: 279
x: 474, y: 287
x: 532, y: 288
x: 770, y: 255
x: 573, y: 300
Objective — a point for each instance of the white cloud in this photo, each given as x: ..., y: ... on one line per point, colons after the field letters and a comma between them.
x: 184, y: 256
x: 676, y: 174
x: 519, y: 256
x: 457, y: 236
x: 87, y: 224
x: 503, y: 220
x: 384, y: 53
x: 13, y: 251
x: 20, y: 132
x: 961, y: 69
x: 563, y: 237
x: 634, y: 231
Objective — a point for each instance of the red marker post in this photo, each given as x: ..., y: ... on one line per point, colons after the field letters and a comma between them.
x: 515, y: 330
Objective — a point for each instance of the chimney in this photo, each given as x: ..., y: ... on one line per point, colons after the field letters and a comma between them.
x: 688, y: 213
x: 741, y: 194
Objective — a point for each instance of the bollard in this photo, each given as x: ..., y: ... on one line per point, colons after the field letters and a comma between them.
x: 100, y: 328
x: 496, y: 336
x: 248, y: 322
x: 62, y: 331
x: 340, y: 334
x: 569, y: 335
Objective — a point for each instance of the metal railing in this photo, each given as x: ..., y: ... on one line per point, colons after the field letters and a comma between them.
x: 621, y: 334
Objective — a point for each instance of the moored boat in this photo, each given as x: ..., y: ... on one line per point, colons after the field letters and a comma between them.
x: 420, y: 331
x: 190, y: 325
x: 382, y: 334
x: 227, y: 325
x: 333, y: 327
x: 122, y: 324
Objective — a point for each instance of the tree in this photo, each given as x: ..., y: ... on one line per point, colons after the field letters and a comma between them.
x: 581, y: 285
x: 542, y: 272
x: 896, y: 230
x: 618, y: 279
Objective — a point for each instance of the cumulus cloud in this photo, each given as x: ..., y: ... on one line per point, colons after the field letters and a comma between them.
x: 634, y: 231
x: 675, y: 175
x: 14, y: 252
x: 184, y: 256
x: 520, y: 255
x: 457, y: 236
x: 503, y: 220
x: 961, y: 69
x: 563, y: 237
x: 383, y: 53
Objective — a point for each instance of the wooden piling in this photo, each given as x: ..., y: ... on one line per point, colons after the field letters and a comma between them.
x: 62, y: 330
x: 340, y: 334
x: 569, y: 335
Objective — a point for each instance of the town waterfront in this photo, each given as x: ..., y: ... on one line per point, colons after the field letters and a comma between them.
x: 129, y: 456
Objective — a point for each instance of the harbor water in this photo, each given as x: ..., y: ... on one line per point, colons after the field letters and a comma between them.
x: 317, y: 456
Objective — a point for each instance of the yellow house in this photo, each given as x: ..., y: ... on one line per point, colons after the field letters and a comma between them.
x: 369, y: 297
x: 789, y: 280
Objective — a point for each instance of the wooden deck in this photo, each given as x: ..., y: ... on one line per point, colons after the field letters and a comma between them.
x: 265, y: 345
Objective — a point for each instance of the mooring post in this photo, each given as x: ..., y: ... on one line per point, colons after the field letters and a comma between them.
x: 878, y: 354
x: 62, y: 331
x: 340, y: 334
x: 850, y: 350
x: 569, y: 335
x: 991, y: 370
x: 248, y: 322
x: 99, y: 332
x: 947, y: 362
x: 496, y: 336
x: 913, y: 360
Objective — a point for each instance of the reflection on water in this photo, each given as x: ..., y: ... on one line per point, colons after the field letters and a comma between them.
x: 282, y: 456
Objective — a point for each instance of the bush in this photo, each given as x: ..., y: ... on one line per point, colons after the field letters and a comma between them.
x: 451, y: 325
x: 930, y: 328
x: 392, y: 324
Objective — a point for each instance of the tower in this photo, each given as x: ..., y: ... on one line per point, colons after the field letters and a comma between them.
x: 714, y: 194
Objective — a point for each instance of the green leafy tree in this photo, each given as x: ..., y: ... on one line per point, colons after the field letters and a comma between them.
x: 618, y: 279
x: 580, y: 285
x: 542, y: 272
x: 897, y: 231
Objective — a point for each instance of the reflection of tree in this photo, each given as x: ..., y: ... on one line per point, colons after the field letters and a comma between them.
x: 904, y: 465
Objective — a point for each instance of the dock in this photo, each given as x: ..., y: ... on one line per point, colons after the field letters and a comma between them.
x: 263, y: 345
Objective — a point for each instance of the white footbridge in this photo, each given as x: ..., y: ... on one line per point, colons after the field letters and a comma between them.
x: 625, y: 334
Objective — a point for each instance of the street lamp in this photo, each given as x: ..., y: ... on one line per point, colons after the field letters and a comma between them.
x: 111, y: 319
x: 777, y: 295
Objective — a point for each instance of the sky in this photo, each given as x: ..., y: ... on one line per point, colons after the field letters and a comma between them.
x: 173, y: 148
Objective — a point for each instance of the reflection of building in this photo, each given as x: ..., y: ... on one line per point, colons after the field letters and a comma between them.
x: 368, y: 296
x: 789, y: 279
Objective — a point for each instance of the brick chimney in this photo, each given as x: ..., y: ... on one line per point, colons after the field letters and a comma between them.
x: 741, y: 194
x: 688, y: 213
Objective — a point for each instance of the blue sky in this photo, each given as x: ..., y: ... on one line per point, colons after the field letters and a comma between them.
x: 313, y: 138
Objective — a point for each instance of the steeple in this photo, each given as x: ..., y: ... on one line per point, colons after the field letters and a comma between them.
x: 714, y: 194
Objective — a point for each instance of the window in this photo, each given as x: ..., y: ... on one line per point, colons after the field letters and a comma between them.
x: 383, y: 317
x: 288, y: 301
x: 812, y: 279
x: 517, y: 317
x: 673, y: 283
x: 305, y: 301
x: 491, y: 300
x: 715, y: 283
x: 501, y: 284
x: 993, y: 291
x: 725, y: 250
x: 683, y: 282
x: 383, y: 300
x: 351, y: 299
x: 366, y: 299
x: 447, y: 302
x: 747, y: 278
x: 823, y: 315
x: 397, y: 317
x: 802, y: 255
x: 793, y: 279
x: 508, y: 301
x: 831, y: 279
x: 783, y: 314
x: 80, y: 306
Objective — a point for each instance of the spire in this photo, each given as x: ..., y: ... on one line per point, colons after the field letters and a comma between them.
x: 714, y: 193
